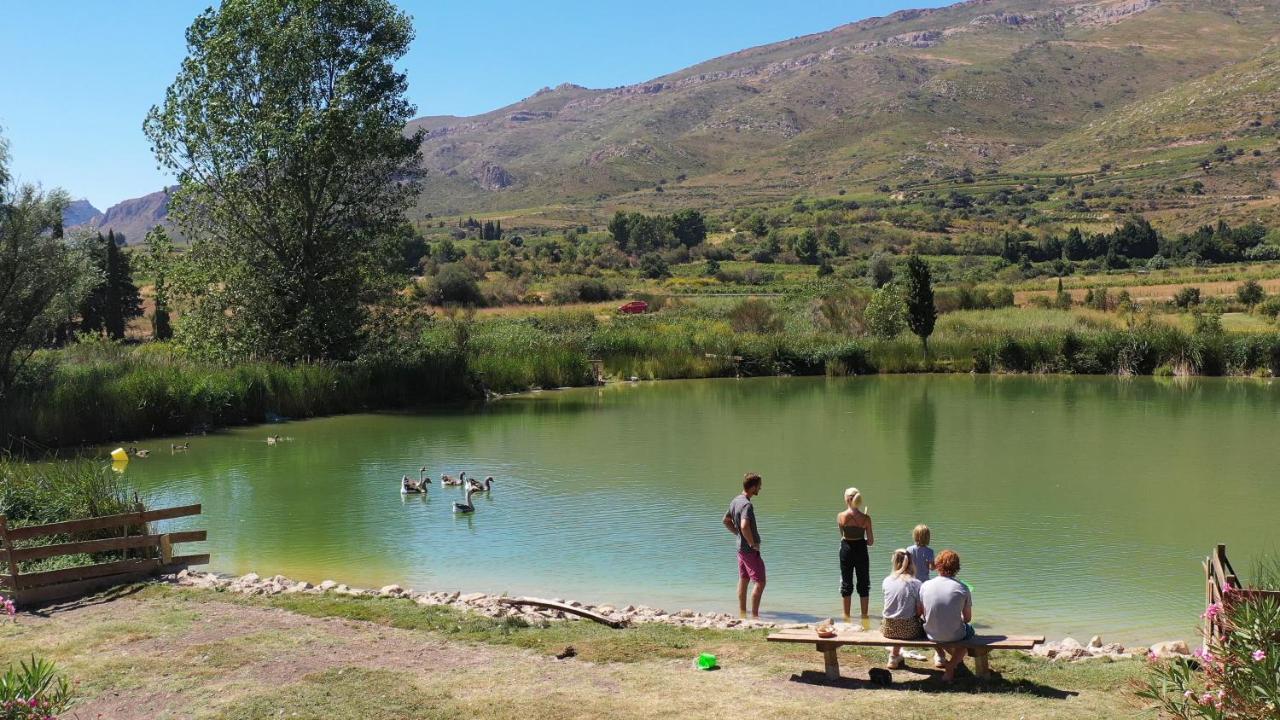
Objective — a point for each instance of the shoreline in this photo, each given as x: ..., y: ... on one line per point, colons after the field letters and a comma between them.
x: 1065, y: 650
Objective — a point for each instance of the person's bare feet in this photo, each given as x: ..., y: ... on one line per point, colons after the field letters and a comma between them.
x: 949, y: 676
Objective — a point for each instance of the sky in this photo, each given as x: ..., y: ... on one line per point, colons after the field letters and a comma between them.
x: 77, y: 77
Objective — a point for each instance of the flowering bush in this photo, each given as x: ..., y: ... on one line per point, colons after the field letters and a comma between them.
x: 33, y: 691
x: 1239, y: 676
x: 7, y: 607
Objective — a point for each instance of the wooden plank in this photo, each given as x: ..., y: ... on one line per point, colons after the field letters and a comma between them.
x: 65, y: 591
x: 581, y: 612
x: 85, y: 572
x: 106, y: 521
x: 166, y: 549
x: 181, y: 561
x: 991, y: 642
x: 85, y: 546
x: 187, y: 536
x: 6, y: 541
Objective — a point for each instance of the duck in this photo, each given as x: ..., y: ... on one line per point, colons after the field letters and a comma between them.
x: 179, y: 447
x: 486, y: 486
x: 468, y: 506
x: 448, y: 481
x: 138, y: 452
x: 273, y: 439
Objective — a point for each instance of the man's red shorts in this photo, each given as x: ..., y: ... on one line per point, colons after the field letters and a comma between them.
x: 751, y: 566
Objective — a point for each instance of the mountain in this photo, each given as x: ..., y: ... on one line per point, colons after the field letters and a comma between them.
x: 134, y: 218
x: 921, y: 95
x: 1139, y: 94
x: 79, y: 212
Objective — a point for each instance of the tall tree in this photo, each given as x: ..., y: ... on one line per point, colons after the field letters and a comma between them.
x: 41, y: 278
x: 921, y: 312
x: 285, y: 127
x: 115, y: 299
x: 157, y: 262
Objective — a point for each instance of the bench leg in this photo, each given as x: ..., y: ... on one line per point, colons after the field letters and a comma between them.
x: 980, y: 666
x: 831, y: 660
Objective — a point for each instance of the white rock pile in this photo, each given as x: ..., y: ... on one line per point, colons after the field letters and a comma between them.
x: 1071, y: 650
x: 483, y: 603
x: 1066, y: 650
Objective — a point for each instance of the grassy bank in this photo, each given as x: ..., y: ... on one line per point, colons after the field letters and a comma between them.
x: 164, y: 653
x: 99, y: 392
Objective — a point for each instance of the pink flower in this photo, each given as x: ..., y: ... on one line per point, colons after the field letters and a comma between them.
x: 1212, y: 611
x: 1188, y: 694
x: 1259, y: 655
x: 1206, y: 699
x: 1203, y: 653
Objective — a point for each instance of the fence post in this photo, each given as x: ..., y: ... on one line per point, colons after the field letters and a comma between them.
x: 166, y: 550
x: 8, y: 550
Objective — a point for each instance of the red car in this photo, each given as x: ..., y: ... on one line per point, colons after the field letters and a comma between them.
x: 635, y: 307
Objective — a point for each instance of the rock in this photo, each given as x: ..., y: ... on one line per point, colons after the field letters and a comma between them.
x: 685, y: 613
x: 471, y: 598
x: 1171, y: 648
x: 880, y: 676
x: 249, y: 579
x: 631, y: 609
x: 328, y: 585
x: 184, y: 574
x: 1110, y: 649
x: 1070, y: 644
x: 606, y: 609
x: 1069, y: 654
x: 566, y: 653
x: 391, y: 591
x: 298, y: 587
x: 1095, y: 641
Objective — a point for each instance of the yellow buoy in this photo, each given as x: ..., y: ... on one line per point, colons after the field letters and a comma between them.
x: 119, y: 457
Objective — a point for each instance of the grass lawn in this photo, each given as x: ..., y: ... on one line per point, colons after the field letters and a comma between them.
x: 158, y: 652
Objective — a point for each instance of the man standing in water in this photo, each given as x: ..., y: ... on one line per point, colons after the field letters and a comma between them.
x: 741, y: 521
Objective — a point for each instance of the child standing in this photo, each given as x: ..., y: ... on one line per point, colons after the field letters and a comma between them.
x: 922, y: 559
x: 921, y: 553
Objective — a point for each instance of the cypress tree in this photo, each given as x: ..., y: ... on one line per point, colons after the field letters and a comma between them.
x: 921, y: 312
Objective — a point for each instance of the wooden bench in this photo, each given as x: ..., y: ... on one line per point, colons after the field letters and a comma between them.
x: 980, y: 646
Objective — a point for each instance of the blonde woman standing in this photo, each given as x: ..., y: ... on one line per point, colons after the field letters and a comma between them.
x: 903, y: 609
x: 856, y: 536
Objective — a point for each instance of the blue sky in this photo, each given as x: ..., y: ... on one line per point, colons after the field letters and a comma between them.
x: 78, y: 76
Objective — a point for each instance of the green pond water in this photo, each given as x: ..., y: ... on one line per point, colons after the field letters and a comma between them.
x: 1078, y: 505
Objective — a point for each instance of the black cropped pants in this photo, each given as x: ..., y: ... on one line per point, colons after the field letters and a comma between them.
x: 853, y: 557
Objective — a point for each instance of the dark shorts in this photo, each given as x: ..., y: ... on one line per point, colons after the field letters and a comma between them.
x: 751, y: 566
x: 854, y: 558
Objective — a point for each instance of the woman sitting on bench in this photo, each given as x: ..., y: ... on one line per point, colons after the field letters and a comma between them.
x: 902, y: 607
x: 948, y: 610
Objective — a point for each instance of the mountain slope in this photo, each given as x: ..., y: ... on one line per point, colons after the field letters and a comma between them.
x: 917, y: 95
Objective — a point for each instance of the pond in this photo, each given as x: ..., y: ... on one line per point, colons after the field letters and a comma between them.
x: 1079, y: 506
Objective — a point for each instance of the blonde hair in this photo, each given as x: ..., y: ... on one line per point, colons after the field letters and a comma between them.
x: 921, y: 535
x: 902, y: 564
x: 853, y: 498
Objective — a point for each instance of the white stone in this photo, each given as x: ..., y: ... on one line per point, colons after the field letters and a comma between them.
x: 1171, y: 648
x: 1070, y: 644
x: 391, y: 591
x: 1095, y: 641
x: 328, y: 585
x: 249, y: 579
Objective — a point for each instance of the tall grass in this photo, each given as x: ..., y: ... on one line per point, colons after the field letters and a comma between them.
x: 78, y: 396
x: 55, y: 491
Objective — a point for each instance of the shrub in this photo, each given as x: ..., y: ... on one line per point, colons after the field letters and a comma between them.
x: 1187, y: 297
x: 33, y: 691
x: 1269, y: 307
x: 454, y: 285
x: 754, y: 316
x: 1240, y: 673
x: 1250, y: 293
x: 584, y: 290
x: 653, y: 266
x: 886, y: 313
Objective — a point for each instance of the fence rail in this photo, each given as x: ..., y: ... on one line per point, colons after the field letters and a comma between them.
x: 146, y: 554
x: 1222, y: 587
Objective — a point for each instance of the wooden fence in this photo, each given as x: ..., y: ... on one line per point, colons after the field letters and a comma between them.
x: 144, y: 554
x: 1221, y: 580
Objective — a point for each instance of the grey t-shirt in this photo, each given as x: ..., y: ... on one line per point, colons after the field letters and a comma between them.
x: 741, y: 507
x: 945, y: 600
x: 901, y: 595
x: 920, y: 559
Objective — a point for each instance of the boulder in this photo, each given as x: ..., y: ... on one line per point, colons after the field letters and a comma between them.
x: 328, y: 585
x: 1070, y: 644
x: 249, y: 579
x: 1095, y: 641
x: 1171, y: 648
x: 471, y: 598
x: 391, y: 591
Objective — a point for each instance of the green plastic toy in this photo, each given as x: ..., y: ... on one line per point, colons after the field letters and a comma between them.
x: 706, y: 661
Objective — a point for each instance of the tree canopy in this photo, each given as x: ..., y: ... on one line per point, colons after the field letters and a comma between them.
x: 285, y: 126
x: 921, y: 311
